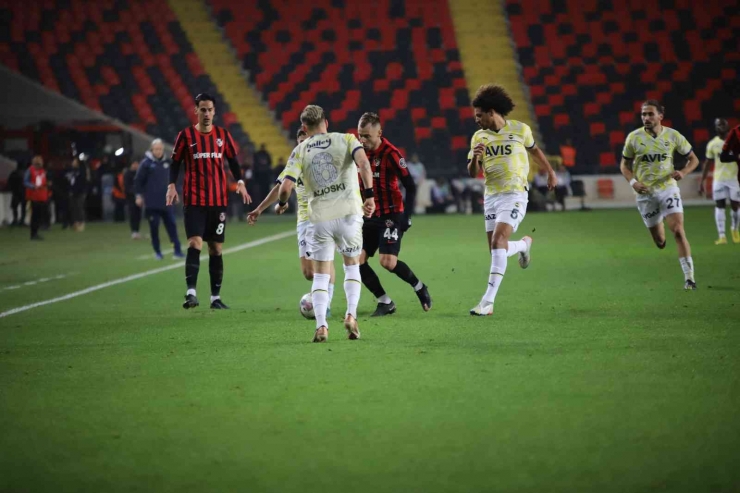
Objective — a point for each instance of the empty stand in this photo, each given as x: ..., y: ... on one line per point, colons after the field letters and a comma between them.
x: 126, y: 58
x: 590, y: 64
x: 397, y: 58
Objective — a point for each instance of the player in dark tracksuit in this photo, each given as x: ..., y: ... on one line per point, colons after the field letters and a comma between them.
x: 150, y: 183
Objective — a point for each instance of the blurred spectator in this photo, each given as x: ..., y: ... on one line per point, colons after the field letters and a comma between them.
x: 77, y: 179
x: 18, y: 195
x: 568, y: 153
x: 37, y: 192
x: 119, y: 197
x: 262, y: 171
x: 417, y: 170
x: 561, y: 190
x: 540, y: 184
x: 441, y: 197
x: 151, y: 182
x: 60, y: 196
x: 134, y: 211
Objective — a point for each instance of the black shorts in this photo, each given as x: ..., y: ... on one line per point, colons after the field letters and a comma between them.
x: 208, y: 223
x: 383, y: 233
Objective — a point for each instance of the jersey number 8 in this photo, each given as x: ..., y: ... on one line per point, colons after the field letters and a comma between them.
x: 220, y: 228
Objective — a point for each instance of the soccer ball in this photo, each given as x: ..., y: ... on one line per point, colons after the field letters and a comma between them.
x: 306, y: 306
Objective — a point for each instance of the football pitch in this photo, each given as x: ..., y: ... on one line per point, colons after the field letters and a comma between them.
x: 597, y: 372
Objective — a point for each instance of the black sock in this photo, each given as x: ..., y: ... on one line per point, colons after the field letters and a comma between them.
x: 192, y: 266
x: 371, y: 281
x: 402, y: 270
x: 216, y: 270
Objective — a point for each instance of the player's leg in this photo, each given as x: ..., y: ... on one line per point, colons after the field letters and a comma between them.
x: 390, y: 247
x: 672, y: 207
x: 348, y: 237
x: 499, y: 246
x: 735, y: 210
x: 649, y: 208
x: 215, y: 236
x: 720, y: 195
x: 512, y: 210
x: 153, y: 217
x: 195, y: 224
x: 169, y: 223
x: 371, y: 235
x: 321, y: 245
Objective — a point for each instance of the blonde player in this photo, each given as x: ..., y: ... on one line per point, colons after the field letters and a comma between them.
x: 304, y: 228
x: 725, y: 185
x: 326, y: 164
x: 501, y: 148
x: 647, y: 164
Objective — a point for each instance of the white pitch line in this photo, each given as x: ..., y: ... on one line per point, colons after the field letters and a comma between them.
x: 133, y: 277
x: 37, y: 281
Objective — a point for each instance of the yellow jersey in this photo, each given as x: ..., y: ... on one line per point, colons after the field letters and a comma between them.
x: 301, y: 197
x: 653, y: 156
x: 325, y: 163
x: 505, y: 162
x: 723, y: 171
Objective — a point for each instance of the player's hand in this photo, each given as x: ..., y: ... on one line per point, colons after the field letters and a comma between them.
x: 552, y: 181
x: 281, y: 210
x: 640, y: 188
x: 369, y: 206
x: 139, y: 201
x: 677, y: 175
x: 479, y: 150
x: 172, y: 197
x: 253, y: 216
x: 241, y: 189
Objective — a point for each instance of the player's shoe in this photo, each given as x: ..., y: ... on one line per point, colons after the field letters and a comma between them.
x: 178, y: 255
x: 158, y: 256
x: 525, y: 257
x: 424, y: 298
x: 217, y: 304
x: 482, y: 309
x: 190, y: 301
x: 384, y: 309
x: 735, y: 236
x: 353, y: 330
x: 690, y: 285
x: 722, y: 240
x: 321, y: 334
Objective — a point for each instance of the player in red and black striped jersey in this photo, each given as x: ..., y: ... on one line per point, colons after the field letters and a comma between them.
x: 202, y: 149
x: 384, y: 230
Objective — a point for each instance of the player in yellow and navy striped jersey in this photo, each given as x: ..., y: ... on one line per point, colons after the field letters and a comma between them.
x: 647, y: 164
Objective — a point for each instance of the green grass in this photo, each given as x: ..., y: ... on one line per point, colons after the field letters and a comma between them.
x: 597, y: 372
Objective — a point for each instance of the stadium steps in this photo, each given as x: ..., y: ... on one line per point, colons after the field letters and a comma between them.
x: 496, y: 62
x: 220, y: 63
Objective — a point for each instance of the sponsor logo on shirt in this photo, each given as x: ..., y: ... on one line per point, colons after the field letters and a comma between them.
x: 654, y: 158
x: 651, y: 214
x: 331, y: 189
x: 206, y: 155
x: 500, y: 150
x: 319, y: 144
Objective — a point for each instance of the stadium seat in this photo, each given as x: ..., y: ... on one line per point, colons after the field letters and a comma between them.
x: 606, y: 57
x: 605, y: 188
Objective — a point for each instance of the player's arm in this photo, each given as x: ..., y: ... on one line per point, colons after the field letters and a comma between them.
x: 271, y: 198
x: 286, y: 188
x: 541, y: 160
x: 690, y: 166
x: 236, y: 171
x: 731, y: 147
x: 291, y: 173
x: 474, y: 160
x: 366, y: 174
x: 625, y: 166
x: 705, y: 167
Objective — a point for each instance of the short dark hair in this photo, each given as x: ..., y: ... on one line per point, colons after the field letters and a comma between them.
x: 300, y: 133
x: 204, y: 96
x: 492, y: 97
x: 656, y: 103
x: 369, y: 118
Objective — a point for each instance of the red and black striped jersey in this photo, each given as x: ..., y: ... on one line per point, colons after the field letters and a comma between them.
x: 388, y: 165
x: 205, y: 183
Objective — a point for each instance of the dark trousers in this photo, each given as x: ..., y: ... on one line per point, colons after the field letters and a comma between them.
x: 134, y: 216
x: 39, y: 211
x: 61, y: 209
x: 119, y: 214
x: 15, y: 203
x: 156, y: 215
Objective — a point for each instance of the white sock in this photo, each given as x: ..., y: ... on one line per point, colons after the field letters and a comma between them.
x: 331, y: 294
x: 385, y: 299
x: 719, y: 218
x: 418, y: 286
x: 735, y: 215
x: 191, y: 291
x: 516, y: 247
x: 687, y: 266
x: 320, y: 296
x: 496, y: 277
x: 352, y: 288
x: 214, y: 298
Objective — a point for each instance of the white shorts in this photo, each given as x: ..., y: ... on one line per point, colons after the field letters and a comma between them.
x: 305, y: 232
x: 722, y: 190
x: 344, y: 232
x: 654, y: 207
x: 509, y: 208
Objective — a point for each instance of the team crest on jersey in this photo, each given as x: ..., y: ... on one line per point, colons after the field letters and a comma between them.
x: 402, y: 163
x: 376, y: 162
x: 219, y: 142
x: 222, y: 217
x: 388, y: 223
x: 166, y: 165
